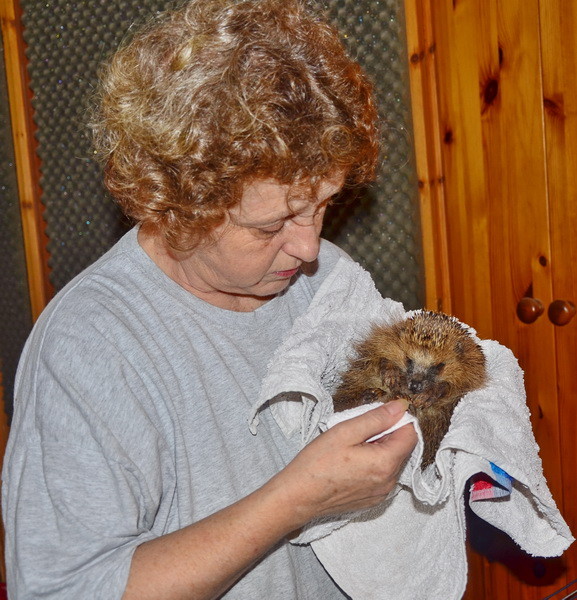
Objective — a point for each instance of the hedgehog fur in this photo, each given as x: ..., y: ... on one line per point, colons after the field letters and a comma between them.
x: 430, y: 359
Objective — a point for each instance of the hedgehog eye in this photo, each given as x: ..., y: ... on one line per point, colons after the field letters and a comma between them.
x: 410, y: 365
x: 436, y: 369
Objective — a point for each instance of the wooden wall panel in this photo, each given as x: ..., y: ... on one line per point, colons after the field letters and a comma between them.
x: 421, y: 52
x: 456, y: 43
x: 506, y: 91
x: 520, y: 225
x: 558, y: 22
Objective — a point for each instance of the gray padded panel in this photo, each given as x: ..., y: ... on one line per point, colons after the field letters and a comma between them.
x: 15, y: 316
x: 382, y: 230
x: 67, y: 41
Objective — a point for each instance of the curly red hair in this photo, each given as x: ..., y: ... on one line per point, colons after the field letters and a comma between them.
x: 218, y: 93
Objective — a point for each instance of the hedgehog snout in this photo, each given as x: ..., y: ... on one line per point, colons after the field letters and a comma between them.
x: 416, y: 385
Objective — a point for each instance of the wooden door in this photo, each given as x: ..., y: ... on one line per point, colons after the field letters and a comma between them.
x: 494, y: 98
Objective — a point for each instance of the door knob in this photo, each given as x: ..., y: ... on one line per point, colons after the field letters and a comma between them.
x: 529, y: 309
x: 561, y: 312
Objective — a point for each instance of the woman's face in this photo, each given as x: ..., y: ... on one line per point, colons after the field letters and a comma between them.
x: 261, y: 246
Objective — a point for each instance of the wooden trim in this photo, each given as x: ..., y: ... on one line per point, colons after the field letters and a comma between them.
x: 427, y: 146
x: 29, y: 192
x: 27, y: 165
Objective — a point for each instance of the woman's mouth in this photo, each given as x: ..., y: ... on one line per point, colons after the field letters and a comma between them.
x: 286, y: 274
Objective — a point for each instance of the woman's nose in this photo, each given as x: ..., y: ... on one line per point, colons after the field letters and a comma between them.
x: 303, y: 242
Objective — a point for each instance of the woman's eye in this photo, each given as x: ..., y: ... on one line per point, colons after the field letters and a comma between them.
x: 270, y: 231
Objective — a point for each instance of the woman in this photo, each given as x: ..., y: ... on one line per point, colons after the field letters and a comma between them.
x: 226, y: 130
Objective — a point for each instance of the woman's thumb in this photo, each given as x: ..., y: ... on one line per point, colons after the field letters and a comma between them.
x: 377, y: 420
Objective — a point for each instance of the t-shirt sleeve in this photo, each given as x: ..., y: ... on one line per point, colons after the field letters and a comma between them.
x: 83, y: 480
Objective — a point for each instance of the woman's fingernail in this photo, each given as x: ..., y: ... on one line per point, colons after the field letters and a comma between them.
x: 396, y: 407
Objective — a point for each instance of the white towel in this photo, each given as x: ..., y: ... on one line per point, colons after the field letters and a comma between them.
x: 317, y: 350
x: 411, y: 547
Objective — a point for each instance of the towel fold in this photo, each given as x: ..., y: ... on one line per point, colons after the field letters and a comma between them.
x: 412, y: 546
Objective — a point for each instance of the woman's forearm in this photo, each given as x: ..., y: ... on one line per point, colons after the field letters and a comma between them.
x: 203, y: 560
x: 337, y: 472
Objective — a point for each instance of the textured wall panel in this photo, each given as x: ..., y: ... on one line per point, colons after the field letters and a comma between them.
x: 15, y: 315
x: 382, y: 229
x: 67, y: 41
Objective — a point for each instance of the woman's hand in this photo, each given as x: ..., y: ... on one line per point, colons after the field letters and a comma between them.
x: 339, y: 471
x: 335, y: 473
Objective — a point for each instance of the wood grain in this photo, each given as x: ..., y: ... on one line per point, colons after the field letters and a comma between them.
x: 505, y: 91
x: 558, y: 23
x: 463, y: 166
x: 428, y: 158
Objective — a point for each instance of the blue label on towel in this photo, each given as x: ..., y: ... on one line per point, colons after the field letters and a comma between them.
x: 502, y: 477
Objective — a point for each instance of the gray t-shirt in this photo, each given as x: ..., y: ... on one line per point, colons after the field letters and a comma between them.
x: 131, y: 421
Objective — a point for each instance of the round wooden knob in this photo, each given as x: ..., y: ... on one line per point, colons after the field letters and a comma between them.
x: 529, y: 310
x: 561, y: 312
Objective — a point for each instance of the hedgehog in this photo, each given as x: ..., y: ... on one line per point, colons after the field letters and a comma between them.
x: 430, y: 359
